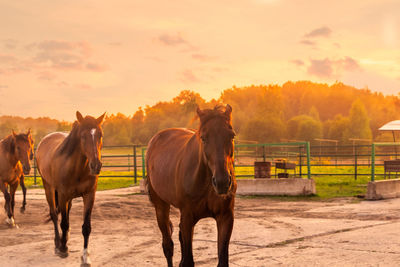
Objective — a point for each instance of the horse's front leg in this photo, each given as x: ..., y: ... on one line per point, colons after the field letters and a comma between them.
x: 22, y: 183
x: 88, y: 202
x: 63, y: 205
x: 186, y: 226
x: 225, y: 226
x: 7, y: 204
x: 13, y: 189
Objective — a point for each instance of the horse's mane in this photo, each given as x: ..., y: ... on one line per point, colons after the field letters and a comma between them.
x: 70, y: 142
x: 8, y: 144
x: 209, y: 114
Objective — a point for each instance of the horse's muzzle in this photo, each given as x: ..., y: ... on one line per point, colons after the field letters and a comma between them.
x: 26, y: 169
x: 222, y: 186
x: 95, y: 167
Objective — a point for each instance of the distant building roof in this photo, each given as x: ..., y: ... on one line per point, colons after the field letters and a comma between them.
x: 391, y: 126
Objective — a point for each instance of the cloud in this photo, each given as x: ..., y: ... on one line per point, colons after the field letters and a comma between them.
x: 172, y: 40
x: 11, y: 64
x: 203, y: 58
x: 187, y: 76
x: 96, y: 67
x: 46, y: 76
x: 7, y: 59
x: 328, y: 68
x: 321, y: 68
x: 56, y: 45
x: 63, y: 55
x: 10, y: 43
x: 349, y: 64
x: 307, y: 42
x: 3, y: 86
x: 84, y: 87
x: 297, y: 62
x: 319, y: 32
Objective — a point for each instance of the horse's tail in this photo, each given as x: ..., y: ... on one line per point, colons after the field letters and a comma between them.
x: 148, y: 188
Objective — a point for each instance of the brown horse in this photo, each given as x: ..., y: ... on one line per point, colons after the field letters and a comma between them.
x: 193, y: 171
x: 69, y: 165
x: 15, y: 152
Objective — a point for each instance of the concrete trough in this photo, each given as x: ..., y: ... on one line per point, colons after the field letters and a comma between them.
x: 276, y: 187
x: 384, y: 189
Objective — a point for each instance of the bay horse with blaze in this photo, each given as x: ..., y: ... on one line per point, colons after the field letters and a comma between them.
x: 15, y: 152
x: 193, y: 171
x: 69, y: 165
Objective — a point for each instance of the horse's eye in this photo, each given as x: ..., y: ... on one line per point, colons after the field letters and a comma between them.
x: 203, y: 138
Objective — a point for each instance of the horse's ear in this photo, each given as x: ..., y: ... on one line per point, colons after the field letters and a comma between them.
x: 100, y: 119
x: 79, y: 116
x: 28, y: 133
x: 228, y: 110
x: 199, y: 112
x: 14, y: 134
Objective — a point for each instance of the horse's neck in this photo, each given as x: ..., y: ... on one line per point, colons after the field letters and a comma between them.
x: 199, y: 167
x: 8, y: 157
x: 77, y: 158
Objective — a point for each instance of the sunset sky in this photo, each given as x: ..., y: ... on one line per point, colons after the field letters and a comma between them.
x: 57, y: 57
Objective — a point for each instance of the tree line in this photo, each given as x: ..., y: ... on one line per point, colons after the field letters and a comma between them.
x: 295, y: 111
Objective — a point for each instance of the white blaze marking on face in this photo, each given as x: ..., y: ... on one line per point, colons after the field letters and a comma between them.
x: 93, y: 132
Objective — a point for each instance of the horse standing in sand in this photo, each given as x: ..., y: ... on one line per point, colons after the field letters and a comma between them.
x: 69, y: 165
x: 193, y: 171
x: 15, y: 152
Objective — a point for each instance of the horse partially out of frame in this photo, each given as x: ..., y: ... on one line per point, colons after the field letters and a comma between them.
x: 69, y: 165
x: 193, y: 171
x: 15, y: 152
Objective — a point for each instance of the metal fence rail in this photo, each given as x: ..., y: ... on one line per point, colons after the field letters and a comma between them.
x: 331, y: 160
x: 115, y: 163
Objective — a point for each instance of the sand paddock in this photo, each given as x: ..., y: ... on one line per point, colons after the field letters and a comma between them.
x: 267, y: 232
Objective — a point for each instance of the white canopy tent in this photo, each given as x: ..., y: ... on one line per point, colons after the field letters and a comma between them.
x: 391, y: 126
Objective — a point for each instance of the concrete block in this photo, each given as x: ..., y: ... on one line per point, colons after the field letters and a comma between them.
x: 276, y: 187
x: 383, y: 189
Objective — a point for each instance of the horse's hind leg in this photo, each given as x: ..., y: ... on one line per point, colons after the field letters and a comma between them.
x: 50, y: 196
x: 88, y: 202
x: 22, y: 183
x: 162, y: 212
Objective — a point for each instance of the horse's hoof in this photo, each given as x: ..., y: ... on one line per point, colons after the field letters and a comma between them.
x: 86, y: 262
x: 22, y: 210
x: 11, y: 222
x: 61, y: 254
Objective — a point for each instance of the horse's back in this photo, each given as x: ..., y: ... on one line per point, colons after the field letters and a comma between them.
x: 46, y: 150
x: 163, y: 155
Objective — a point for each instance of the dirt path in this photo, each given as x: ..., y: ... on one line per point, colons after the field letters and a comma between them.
x: 266, y: 233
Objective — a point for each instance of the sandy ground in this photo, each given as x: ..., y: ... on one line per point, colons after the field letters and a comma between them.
x: 267, y: 232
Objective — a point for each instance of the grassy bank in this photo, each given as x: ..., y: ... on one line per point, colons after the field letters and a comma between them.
x: 327, y: 186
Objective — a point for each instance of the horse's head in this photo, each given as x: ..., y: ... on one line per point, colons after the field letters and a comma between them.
x: 216, y: 136
x: 91, y: 140
x: 24, y: 149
